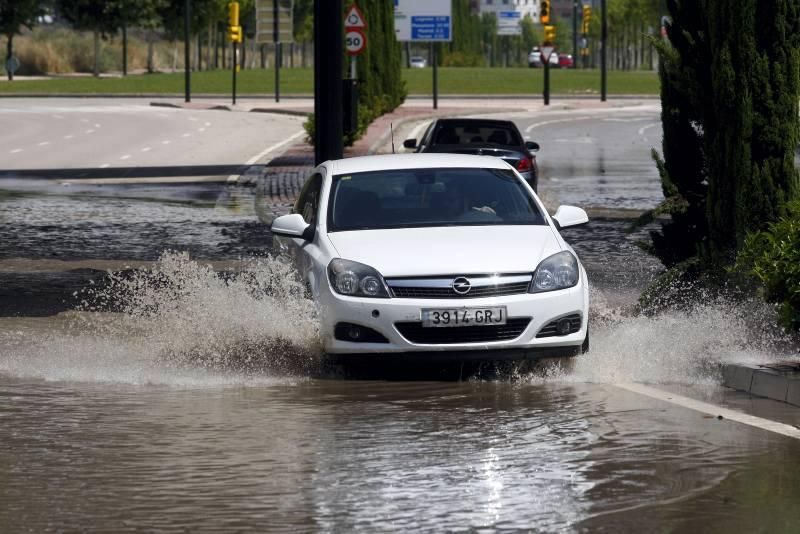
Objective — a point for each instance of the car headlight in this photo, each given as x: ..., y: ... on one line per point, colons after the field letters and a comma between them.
x: 356, y: 279
x: 559, y: 271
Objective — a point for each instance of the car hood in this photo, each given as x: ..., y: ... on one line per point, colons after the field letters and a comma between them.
x: 448, y: 250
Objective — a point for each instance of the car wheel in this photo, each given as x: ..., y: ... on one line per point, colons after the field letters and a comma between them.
x: 585, y: 346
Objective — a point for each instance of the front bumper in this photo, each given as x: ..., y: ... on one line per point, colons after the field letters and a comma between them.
x: 381, y: 315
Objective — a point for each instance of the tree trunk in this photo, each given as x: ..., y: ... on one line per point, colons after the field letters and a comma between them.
x: 150, y: 51
x: 199, y: 51
x: 124, y: 48
x: 96, y: 53
x: 10, y: 54
x: 210, y: 43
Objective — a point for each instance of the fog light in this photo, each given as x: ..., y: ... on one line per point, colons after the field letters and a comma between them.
x: 354, y: 333
x: 563, y: 327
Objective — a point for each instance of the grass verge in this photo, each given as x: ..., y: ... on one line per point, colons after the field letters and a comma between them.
x: 453, y: 81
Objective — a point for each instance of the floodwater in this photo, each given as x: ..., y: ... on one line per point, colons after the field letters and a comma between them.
x: 170, y: 397
x: 201, y: 405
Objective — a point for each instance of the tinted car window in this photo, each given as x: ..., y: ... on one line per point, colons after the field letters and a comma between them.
x: 308, y: 202
x: 454, y: 133
x: 430, y: 197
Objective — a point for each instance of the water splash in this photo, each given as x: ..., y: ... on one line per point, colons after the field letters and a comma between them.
x: 179, y: 322
x: 177, y: 319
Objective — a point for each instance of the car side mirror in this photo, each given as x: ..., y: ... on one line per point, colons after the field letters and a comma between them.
x: 410, y: 143
x: 292, y: 225
x: 530, y: 145
x: 567, y: 216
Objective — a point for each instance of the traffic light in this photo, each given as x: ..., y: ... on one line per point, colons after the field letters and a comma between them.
x: 544, y: 12
x: 587, y: 18
x: 235, y: 34
x: 233, y: 14
x: 549, y: 34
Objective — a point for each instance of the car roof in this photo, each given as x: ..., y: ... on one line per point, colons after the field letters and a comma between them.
x: 476, y: 122
x: 413, y: 161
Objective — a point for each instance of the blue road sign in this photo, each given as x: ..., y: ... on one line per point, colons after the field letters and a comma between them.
x: 430, y: 28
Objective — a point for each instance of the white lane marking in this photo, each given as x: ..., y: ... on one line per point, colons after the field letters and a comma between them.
x: 16, y: 150
x: 647, y: 127
x: 44, y: 143
x: 96, y: 125
x: 555, y: 121
x: 711, y: 409
x: 629, y: 119
x: 126, y: 156
x: 186, y: 135
x: 104, y: 165
x: 576, y: 141
x: 201, y: 129
x: 89, y: 131
x: 84, y: 120
x: 235, y: 177
x: 146, y: 149
x: 68, y: 136
x: 166, y: 142
x: 207, y: 124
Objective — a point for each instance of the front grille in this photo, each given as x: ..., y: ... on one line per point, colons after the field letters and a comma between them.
x: 442, y: 287
x: 416, y: 333
x: 551, y: 328
x: 449, y: 293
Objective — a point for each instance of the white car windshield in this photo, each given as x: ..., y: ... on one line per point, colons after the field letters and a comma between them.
x: 409, y: 198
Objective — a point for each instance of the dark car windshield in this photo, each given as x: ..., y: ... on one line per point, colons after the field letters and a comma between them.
x: 430, y: 197
x: 451, y: 132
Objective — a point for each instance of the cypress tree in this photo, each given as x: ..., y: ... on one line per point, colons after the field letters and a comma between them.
x: 730, y: 115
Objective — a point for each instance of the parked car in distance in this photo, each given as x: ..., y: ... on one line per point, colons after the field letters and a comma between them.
x: 436, y: 256
x: 535, y: 58
x: 417, y: 62
x: 565, y: 61
x: 484, y: 137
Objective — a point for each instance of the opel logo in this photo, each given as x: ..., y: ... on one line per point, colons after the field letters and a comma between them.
x: 461, y: 285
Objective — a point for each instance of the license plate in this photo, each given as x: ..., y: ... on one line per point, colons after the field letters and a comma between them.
x: 450, y: 317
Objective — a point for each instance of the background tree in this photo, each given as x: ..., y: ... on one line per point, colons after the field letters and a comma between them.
x: 14, y: 15
x: 102, y: 17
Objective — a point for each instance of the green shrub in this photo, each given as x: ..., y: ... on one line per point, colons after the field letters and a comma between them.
x: 773, y: 258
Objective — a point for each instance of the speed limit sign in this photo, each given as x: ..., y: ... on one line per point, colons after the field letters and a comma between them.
x: 355, y: 41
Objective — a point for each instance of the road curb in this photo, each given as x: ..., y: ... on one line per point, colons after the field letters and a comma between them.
x: 777, y: 381
x: 226, y: 107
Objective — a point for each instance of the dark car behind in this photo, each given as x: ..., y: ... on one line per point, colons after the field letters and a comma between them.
x: 486, y: 137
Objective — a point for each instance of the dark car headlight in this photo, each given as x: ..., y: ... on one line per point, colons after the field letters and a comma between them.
x: 356, y: 279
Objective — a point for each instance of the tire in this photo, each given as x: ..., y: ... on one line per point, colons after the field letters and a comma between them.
x: 585, y: 345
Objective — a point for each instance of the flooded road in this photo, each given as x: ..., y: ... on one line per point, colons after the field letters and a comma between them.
x: 187, y: 392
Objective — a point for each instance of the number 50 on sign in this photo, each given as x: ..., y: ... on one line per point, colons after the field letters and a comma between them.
x: 355, y: 41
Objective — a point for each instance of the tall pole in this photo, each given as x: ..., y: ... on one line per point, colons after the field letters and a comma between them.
x: 234, y: 64
x: 603, y: 52
x: 575, y: 35
x: 435, y: 76
x: 187, y: 67
x: 276, y: 39
x: 328, y: 63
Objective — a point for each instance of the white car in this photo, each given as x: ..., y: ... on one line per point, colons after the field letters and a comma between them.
x: 417, y: 62
x: 438, y: 255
